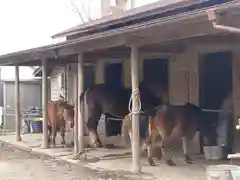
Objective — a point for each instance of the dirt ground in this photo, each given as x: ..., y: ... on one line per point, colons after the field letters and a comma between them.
x: 16, y: 164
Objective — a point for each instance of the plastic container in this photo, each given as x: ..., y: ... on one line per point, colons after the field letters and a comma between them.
x: 36, y: 126
x: 223, y: 172
x: 213, y: 152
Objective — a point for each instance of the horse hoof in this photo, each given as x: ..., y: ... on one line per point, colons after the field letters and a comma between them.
x: 151, y: 162
x: 97, y: 145
x: 159, y: 156
x: 64, y: 146
x: 188, y: 160
x: 54, y: 146
x: 170, y: 162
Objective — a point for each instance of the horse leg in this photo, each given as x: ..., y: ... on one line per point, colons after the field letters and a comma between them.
x: 62, y: 133
x: 187, y: 159
x: 151, y: 144
x: 166, y: 151
x: 49, y: 134
x: 54, y: 134
x: 92, y: 127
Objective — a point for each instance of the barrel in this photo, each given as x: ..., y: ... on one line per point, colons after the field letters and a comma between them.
x: 223, y: 172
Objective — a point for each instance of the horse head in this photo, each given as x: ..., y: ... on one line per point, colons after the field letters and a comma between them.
x: 68, y: 112
x: 153, y: 94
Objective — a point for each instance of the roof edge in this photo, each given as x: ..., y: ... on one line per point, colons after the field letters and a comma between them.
x: 131, y: 14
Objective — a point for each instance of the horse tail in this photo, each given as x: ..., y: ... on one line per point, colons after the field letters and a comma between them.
x: 127, y: 129
x: 84, y: 105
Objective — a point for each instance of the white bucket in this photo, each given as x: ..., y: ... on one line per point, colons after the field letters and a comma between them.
x: 213, y: 152
x: 223, y: 172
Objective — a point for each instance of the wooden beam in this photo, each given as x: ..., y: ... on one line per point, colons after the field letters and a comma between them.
x: 44, y: 103
x: 81, y: 111
x: 136, y: 166
x: 29, y: 56
x: 87, y: 46
x: 17, y: 104
x: 169, y: 33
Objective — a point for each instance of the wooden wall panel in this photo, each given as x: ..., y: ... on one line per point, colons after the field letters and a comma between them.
x: 126, y: 73
x: 193, y: 77
x: 100, y: 72
x: 178, y: 80
x: 184, y: 78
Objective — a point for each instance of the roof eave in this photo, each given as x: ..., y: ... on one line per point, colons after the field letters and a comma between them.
x: 139, y: 12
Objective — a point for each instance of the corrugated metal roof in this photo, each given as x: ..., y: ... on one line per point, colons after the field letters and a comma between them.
x: 148, y: 12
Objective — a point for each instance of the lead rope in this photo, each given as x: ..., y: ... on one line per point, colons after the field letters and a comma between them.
x: 135, y: 96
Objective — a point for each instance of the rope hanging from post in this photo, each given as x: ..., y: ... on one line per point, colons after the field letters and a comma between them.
x: 135, y: 96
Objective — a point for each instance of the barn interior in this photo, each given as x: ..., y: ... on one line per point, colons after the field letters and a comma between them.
x: 215, y: 86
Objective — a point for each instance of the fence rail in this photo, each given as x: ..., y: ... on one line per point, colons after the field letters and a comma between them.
x: 215, y: 110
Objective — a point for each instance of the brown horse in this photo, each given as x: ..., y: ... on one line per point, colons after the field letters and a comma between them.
x: 59, y: 113
x: 113, y: 101
x: 171, y: 121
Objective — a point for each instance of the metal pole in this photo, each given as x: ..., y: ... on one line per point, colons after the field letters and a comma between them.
x: 44, y: 103
x: 136, y: 166
x: 81, y: 113
x: 76, y: 145
x: 17, y: 104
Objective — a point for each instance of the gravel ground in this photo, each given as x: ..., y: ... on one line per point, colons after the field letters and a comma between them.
x: 16, y: 164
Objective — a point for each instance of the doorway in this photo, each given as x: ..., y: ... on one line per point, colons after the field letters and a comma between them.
x: 113, y: 77
x: 113, y: 74
x: 156, y: 70
x: 215, y: 83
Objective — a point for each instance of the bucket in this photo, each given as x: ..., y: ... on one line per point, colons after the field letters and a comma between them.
x: 213, y: 152
x: 223, y: 172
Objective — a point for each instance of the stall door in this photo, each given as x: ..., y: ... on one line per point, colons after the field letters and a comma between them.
x: 113, y: 74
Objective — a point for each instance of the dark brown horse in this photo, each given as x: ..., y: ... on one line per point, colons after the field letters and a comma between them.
x: 113, y: 101
x: 172, y: 121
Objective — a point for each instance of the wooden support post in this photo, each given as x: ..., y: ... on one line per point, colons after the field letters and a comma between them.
x: 76, y: 97
x: 17, y: 104
x: 99, y: 71
x: 80, y: 113
x: 44, y: 103
x: 136, y: 166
